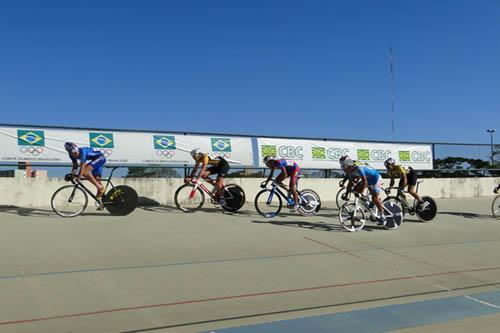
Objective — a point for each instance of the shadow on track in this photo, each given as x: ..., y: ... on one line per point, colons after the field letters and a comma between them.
x: 468, y: 215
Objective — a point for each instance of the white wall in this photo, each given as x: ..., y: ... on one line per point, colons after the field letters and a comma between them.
x: 36, y: 192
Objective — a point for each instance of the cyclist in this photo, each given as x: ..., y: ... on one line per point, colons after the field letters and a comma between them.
x: 408, y: 177
x: 91, y: 164
x: 218, y: 166
x: 497, y: 189
x: 369, y: 178
x: 288, y: 169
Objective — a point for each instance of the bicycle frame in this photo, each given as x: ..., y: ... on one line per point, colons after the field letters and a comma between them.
x: 403, y: 200
x: 197, y: 184
x: 275, y: 188
x: 88, y: 191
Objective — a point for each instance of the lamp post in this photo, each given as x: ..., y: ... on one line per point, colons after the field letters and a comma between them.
x: 491, y: 131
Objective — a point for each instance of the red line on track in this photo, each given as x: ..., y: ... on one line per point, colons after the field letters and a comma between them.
x: 265, y: 293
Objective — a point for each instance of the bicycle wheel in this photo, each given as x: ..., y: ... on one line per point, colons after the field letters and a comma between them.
x: 310, y: 203
x: 495, y: 207
x: 393, y: 214
x: 338, y: 199
x: 429, y: 212
x: 188, y: 199
x: 399, y: 203
x: 352, y: 219
x: 69, y: 201
x: 270, y: 203
x: 234, y: 196
x: 121, y: 200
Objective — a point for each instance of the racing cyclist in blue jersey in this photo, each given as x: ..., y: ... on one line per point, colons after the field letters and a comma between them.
x: 91, y: 164
x: 368, y: 177
x: 288, y: 169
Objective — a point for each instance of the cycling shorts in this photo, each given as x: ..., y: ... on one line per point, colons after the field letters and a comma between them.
x: 97, y: 166
x: 221, y: 169
x: 375, y: 186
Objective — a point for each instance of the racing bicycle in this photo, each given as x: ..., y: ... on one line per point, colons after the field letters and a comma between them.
x: 190, y: 197
x: 352, y: 215
x: 71, y: 200
x: 269, y: 201
x: 425, y: 214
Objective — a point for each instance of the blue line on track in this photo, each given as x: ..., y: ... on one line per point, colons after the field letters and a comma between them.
x: 384, y: 318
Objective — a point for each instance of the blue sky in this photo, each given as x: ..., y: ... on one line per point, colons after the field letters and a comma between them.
x: 301, y: 68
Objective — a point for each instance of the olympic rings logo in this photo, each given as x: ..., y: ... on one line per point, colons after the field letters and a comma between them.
x: 106, y: 152
x: 35, y: 151
x: 165, y: 153
x: 223, y: 155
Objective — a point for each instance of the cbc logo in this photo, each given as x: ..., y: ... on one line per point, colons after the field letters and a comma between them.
x: 421, y: 156
x: 336, y: 153
x: 291, y: 152
x: 35, y: 151
x: 165, y: 153
x: 380, y: 155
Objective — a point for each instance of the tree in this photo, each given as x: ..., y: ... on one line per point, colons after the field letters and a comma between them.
x: 152, y: 172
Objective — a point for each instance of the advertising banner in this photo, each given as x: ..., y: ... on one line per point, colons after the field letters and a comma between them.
x: 318, y: 154
x: 46, y: 145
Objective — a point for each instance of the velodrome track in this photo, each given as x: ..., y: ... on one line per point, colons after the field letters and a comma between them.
x: 162, y: 270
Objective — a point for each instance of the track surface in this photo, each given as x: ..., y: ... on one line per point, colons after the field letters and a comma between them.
x: 161, y: 270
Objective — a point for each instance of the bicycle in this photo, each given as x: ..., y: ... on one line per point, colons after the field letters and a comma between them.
x: 352, y: 215
x: 341, y: 198
x: 495, y: 205
x: 72, y: 200
x: 309, y: 201
x: 191, y: 196
x: 425, y: 214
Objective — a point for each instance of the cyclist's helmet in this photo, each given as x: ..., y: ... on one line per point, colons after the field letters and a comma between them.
x: 347, y: 162
x: 70, y: 147
x: 342, y: 161
x: 268, y: 159
x: 195, y: 152
x: 389, y: 161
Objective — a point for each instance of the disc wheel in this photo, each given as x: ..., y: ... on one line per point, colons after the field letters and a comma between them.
x: 310, y: 203
x: 268, y: 203
x: 188, y: 199
x: 234, y: 196
x: 121, y: 200
x: 69, y: 201
x: 393, y: 214
x: 429, y: 212
x: 351, y: 218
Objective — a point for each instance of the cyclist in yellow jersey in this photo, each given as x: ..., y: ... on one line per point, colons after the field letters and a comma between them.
x: 218, y: 166
x: 408, y: 177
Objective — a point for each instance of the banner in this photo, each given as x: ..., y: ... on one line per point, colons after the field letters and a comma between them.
x: 46, y: 145
x: 317, y: 154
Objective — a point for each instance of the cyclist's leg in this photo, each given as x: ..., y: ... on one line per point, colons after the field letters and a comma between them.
x: 412, y: 182
x: 222, y: 170
x: 375, y: 190
x: 92, y: 171
x: 293, y: 185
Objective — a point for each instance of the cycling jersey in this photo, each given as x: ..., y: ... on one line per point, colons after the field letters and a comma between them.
x: 398, y: 171
x: 92, y: 157
x: 371, y: 175
x: 205, y: 159
x: 292, y: 168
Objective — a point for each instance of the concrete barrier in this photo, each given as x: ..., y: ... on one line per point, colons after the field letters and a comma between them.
x: 36, y: 192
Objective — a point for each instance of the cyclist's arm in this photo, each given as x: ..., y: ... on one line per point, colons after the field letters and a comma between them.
x: 195, y: 168
x: 270, y: 174
x: 74, y: 167
x: 283, y: 170
x: 404, y: 179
